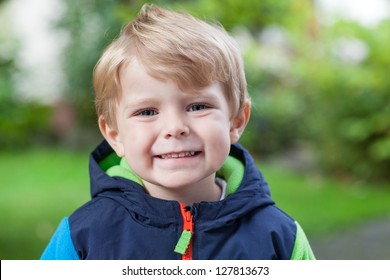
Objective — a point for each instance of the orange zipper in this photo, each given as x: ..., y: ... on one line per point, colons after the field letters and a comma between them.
x: 184, y: 245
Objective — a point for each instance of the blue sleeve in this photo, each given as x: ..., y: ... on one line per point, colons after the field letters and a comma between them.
x: 61, y: 246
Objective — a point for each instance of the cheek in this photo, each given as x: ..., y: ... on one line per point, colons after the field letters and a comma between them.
x: 137, y: 143
x: 218, y: 138
x: 138, y: 155
x: 218, y: 154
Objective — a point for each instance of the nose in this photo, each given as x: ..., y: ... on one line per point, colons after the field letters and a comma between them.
x: 175, y: 125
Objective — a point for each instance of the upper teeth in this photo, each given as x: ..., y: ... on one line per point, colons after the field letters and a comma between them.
x: 178, y: 155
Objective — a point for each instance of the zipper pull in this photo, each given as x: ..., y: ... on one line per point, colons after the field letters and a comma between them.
x: 183, y: 246
x: 184, y: 242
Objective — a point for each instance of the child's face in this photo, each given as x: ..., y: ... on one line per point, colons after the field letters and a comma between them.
x: 171, y: 138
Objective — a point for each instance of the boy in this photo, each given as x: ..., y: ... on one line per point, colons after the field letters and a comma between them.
x: 170, y: 180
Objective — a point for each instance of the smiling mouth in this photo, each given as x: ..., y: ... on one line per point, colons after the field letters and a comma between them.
x: 178, y: 155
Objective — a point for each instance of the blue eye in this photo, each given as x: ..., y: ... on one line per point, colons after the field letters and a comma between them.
x: 197, y: 107
x: 147, y: 112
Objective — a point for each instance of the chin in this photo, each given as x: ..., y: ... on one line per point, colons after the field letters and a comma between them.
x: 177, y: 184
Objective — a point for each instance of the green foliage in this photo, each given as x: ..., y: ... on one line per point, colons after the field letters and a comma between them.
x: 91, y: 26
x: 334, y: 94
x: 349, y: 107
x: 5, y: 79
x: 7, y: 65
x: 23, y: 124
x: 252, y: 14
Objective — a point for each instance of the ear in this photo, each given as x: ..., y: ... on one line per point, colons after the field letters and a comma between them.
x: 112, y: 136
x: 239, y: 123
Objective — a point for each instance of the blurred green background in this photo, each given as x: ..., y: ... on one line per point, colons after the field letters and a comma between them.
x: 320, y: 125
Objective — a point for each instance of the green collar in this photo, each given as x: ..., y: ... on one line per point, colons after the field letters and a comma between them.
x: 232, y: 171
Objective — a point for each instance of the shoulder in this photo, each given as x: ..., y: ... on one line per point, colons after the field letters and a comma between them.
x: 61, y: 245
x: 302, y: 249
x: 276, y: 230
x: 99, y: 212
x: 287, y: 235
x: 274, y: 219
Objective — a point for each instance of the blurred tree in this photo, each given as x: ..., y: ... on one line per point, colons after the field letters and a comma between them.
x: 325, y: 86
x: 6, y: 59
x: 89, y: 25
x: 21, y: 124
x: 252, y: 14
x: 347, y: 92
x: 6, y: 88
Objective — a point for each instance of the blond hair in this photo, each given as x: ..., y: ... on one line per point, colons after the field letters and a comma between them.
x: 174, y: 46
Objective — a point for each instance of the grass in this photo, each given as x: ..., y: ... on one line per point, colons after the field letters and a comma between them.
x: 323, y: 205
x: 38, y: 188
x: 41, y: 186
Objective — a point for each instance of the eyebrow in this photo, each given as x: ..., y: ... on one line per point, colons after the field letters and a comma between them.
x: 194, y: 96
x: 140, y: 102
x: 204, y: 94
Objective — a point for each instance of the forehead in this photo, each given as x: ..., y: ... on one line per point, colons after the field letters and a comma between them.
x: 135, y: 79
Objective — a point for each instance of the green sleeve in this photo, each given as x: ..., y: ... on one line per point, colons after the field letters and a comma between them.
x: 302, y: 249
